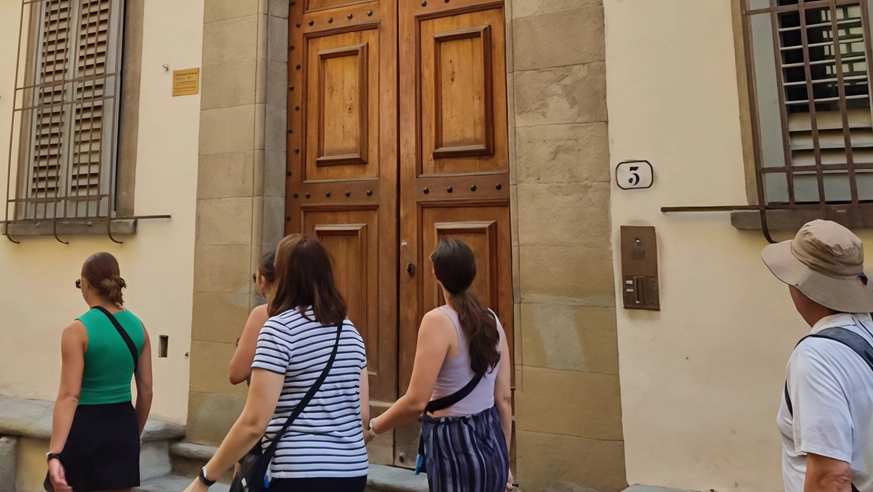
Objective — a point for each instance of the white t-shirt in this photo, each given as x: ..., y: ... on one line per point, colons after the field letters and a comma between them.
x: 831, y: 390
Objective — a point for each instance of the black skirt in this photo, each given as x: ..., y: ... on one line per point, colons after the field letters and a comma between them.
x: 102, y: 450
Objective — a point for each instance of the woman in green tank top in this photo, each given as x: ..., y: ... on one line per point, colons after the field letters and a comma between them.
x: 96, y: 430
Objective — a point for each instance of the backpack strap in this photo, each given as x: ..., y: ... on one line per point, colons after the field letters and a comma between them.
x: 124, y: 335
x: 850, y: 339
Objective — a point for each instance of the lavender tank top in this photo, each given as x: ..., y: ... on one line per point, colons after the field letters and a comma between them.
x: 456, y: 373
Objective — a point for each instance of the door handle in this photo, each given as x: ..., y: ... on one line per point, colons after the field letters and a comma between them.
x: 410, y: 269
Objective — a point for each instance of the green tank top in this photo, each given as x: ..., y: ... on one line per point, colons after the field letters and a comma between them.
x: 108, y: 364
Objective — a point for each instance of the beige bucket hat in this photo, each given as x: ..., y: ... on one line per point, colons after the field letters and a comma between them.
x: 825, y: 261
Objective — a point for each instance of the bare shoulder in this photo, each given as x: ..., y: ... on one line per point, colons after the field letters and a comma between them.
x: 75, y: 329
x: 438, y: 321
x: 437, y: 315
x: 75, y: 334
x: 260, y: 312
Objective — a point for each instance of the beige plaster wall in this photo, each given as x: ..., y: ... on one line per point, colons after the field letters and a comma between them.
x: 568, y: 412
x: 701, y: 380
x: 37, y: 297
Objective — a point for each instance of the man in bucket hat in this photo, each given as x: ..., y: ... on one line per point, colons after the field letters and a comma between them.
x: 827, y: 404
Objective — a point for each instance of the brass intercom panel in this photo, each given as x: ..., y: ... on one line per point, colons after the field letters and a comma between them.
x: 639, y: 268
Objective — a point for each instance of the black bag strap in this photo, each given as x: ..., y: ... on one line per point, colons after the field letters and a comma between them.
x: 309, y: 395
x: 850, y: 339
x: 124, y: 335
x: 447, y: 401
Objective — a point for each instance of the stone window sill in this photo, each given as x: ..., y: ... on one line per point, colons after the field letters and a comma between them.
x: 793, y: 220
x: 79, y: 227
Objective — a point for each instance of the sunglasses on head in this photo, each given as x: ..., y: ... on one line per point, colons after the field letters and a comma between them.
x: 78, y: 283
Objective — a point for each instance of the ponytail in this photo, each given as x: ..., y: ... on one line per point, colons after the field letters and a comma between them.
x: 480, y: 327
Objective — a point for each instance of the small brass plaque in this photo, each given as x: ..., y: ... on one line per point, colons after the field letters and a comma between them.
x: 186, y: 82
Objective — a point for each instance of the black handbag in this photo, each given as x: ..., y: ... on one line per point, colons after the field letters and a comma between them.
x: 254, y: 466
x: 47, y: 483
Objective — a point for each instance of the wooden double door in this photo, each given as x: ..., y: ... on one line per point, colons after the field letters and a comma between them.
x: 397, y: 138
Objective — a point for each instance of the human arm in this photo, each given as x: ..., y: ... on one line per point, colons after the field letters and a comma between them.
x: 503, y: 396
x: 249, y: 428
x: 74, y: 343
x: 240, y: 367
x: 365, y: 398
x: 503, y: 391
x: 143, y: 377
x: 434, y: 341
x: 825, y: 474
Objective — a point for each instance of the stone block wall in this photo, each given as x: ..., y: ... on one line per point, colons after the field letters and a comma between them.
x: 240, y: 192
x: 568, y: 403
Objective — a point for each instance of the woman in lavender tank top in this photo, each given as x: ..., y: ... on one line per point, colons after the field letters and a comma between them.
x: 461, y: 382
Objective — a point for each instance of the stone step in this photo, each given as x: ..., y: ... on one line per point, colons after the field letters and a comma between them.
x: 174, y: 483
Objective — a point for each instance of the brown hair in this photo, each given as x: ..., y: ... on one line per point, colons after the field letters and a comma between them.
x: 304, y: 277
x: 455, y: 267
x: 267, y: 267
x: 102, y: 272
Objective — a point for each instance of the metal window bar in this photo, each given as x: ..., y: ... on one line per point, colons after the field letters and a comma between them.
x: 65, y: 111
x: 829, y: 41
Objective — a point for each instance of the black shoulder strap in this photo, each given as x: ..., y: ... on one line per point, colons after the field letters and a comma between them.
x: 850, y: 339
x: 124, y: 335
x: 309, y: 394
x: 447, y: 401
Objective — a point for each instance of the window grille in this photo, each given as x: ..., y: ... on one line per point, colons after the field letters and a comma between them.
x: 66, y: 106
x: 809, y: 84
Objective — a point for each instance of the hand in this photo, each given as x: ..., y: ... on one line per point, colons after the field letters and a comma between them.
x: 367, y: 437
x: 510, y: 482
x: 58, y: 476
x: 197, y: 486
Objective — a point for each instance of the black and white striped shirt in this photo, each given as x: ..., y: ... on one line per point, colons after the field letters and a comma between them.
x: 326, y: 440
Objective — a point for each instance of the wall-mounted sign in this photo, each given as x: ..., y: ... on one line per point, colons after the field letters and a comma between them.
x: 634, y: 175
x: 186, y: 82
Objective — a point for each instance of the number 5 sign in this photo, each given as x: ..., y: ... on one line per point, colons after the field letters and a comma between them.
x: 634, y: 175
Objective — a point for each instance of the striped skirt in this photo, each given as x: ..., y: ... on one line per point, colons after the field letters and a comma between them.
x: 465, y: 454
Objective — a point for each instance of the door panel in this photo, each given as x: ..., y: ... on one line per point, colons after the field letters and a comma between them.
x: 342, y: 161
x: 342, y: 107
x: 454, y: 171
x: 461, y: 58
x: 349, y: 238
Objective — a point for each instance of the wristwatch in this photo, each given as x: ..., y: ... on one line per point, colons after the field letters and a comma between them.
x: 370, y: 430
x: 205, y: 481
x: 52, y: 456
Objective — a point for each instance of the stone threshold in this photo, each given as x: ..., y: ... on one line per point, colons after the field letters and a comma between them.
x: 21, y: 417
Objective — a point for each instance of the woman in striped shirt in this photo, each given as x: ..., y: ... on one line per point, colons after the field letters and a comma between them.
x: 323, y: 449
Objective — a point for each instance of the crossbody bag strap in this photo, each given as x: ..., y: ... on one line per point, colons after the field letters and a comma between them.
x: 309, y: 394
x: 447, y: 401
x: 124, y: 335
